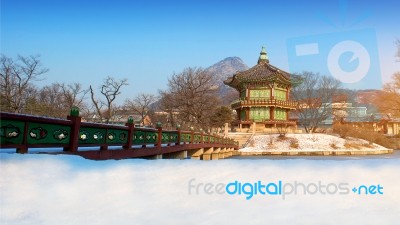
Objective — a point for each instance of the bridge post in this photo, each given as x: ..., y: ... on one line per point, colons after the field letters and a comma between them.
x: 159, y: 138
x: 191, y: 135
x: 131, y: 128
x: 76, y: 125
x: 178, y: 129
x: 207, y: 152
x: 24, y: 149
x: 201, y: 136
x: 215, y: 153
x: 222, y: 153
x: 195, y: 153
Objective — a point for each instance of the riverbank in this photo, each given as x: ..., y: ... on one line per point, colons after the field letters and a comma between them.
x: 311, y: 145
x: 318, y: 153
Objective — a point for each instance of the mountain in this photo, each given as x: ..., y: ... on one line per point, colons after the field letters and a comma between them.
x: 226, y: 68
x: 221, y: 71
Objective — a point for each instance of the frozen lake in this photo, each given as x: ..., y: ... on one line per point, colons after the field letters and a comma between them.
x: 58, y: 189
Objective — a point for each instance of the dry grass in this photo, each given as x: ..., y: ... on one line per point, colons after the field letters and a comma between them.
x: 271, y: 142
x: 252, y: 143
x: 334, y: 146
x: 367, y: 145
x: 314, y: 139
x: 365, y: 133
x: 351, y: 144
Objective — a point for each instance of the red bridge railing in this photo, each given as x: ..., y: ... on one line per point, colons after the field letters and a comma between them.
x: 25, y: 131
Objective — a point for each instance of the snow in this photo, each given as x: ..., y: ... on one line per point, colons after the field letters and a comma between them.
x: 61, y: 189
x: 308, y: 143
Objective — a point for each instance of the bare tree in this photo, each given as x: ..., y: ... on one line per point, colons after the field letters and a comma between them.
x: 50, y: 101
x: 98, y: 104
x: 141, y: 105
x: 167, y: 104
x: 315, y: 96
x: 192, y: 94
x: 110, y: 89
x: 388, y: 101
x: 54, y: 100
x: 16, y: 77
x: 73, y: 94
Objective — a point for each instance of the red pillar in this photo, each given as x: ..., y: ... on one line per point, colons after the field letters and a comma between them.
x: 178, y: 130
x: 271, y: 113
x: 105, y: 146
x: 159, y: 138
x: 270, y: 94
x: 74, y: 138
x: 287, y: 114
x: 287, y: 94
x: 191, y: 135
x: 131, y: 131
x: 24, y: 148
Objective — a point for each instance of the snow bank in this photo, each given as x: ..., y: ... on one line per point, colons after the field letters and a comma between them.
x: 308, y: 143
x: 46, y: 189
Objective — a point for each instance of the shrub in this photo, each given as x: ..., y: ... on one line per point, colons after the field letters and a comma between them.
x: 364, y: 133
x: 342, y: 130
x: 282, y: 138
x: 282, y: 130
x: 294, y: 143
x: 271, y: 141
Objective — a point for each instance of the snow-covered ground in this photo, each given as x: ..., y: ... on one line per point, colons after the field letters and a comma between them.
x: 56, y: 189
x: 309, y: 143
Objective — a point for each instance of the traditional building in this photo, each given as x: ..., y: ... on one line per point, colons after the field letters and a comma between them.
x: 264, y: 95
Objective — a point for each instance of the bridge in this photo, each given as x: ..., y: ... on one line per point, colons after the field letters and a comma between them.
x: 105, y: 141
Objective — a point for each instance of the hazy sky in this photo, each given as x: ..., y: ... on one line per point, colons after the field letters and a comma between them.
x: 146, y: 41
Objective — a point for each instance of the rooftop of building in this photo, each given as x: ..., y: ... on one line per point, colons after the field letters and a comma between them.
x: 263, y: 71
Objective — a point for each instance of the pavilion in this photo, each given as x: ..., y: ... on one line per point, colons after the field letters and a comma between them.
x: 264, y: 95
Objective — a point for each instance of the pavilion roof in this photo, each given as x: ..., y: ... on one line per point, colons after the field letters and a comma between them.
x: 262, y: 72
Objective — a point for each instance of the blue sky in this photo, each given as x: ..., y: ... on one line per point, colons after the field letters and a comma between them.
x: 146, y: 41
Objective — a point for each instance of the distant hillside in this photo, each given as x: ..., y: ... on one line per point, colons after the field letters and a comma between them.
x: 221, y: 71
x: 227, y: 67
x: 361, y: 97
x: 366, y: 96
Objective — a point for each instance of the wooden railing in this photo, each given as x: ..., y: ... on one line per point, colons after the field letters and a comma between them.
x: 288, y: 122
x: 264, y: 102
x: 25, y: 131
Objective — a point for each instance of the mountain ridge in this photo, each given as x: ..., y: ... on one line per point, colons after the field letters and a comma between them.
x: 221, y: 71
x: 227, y: 67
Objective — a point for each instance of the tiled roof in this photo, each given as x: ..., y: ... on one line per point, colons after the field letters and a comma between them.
x: 261, y: 71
